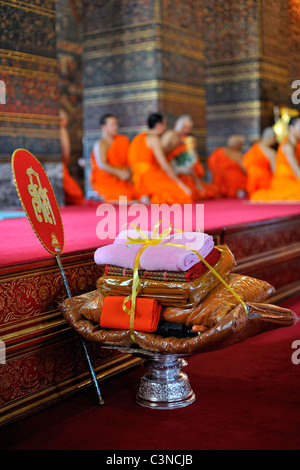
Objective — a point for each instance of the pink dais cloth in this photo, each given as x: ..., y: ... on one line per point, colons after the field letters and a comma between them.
x: 156, y: 257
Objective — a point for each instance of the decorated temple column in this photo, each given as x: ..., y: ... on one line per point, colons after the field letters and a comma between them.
x: 246, y: 71
x: 29, y: 113
x: 140, y: 57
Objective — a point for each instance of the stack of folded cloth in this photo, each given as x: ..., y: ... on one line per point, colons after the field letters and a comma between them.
x: 173, y: 275
x: 170, y: 275
x: 176, y: 287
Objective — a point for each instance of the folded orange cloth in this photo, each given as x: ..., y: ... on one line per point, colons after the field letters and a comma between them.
x: 147, y: 314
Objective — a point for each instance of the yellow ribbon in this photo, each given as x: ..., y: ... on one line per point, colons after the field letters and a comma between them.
x: 156, y: 240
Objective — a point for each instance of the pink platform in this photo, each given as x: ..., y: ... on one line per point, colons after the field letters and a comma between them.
x: 20, y: 245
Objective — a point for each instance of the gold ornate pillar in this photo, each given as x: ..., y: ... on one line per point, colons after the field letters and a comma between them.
x: 140, y: 57
x: 29, y: 116
x: 246, y: 71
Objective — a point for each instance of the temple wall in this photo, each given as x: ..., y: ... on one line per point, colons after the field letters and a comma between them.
x: 180, y: 44
x: 120, y: 66
x: 69, y: 54
x: 251, y: 56
x: 29, y: 117
x: 275, y: 87
x: 232, y: 74
x: 294, y: 39
x: 140, y: 57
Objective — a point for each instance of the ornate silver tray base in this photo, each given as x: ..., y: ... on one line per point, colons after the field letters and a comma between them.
x: 164, y: 386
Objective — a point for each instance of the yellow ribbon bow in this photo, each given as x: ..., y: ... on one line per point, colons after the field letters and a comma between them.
x: 156, y: 240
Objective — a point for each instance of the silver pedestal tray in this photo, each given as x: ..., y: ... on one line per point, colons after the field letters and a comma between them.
x: 164, y: 386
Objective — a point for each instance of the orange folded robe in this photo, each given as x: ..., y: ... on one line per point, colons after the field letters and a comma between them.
x: 72, y: 190
x: 285, y: 186
x: 259, y: 171
x: 227, y: 175
x: 147, y: 314
x: 106, y: 184
x: 149, y: 179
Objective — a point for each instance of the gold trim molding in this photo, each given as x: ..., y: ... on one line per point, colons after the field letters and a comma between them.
x: 29, y: 73
x: 157, y: 84
x: 145, y: 46
x: 25, y: 132
x: 25, y: 57
x: 144, y: 96
x: 29, y: 118
x: 39, y: 10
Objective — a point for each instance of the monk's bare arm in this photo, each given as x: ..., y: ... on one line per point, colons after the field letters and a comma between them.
x: 290, y: 155
x: 168, y: 141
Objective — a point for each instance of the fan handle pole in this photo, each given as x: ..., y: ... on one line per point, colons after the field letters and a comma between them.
x: 92, y: 372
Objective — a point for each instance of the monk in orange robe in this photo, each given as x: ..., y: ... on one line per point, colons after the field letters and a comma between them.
x: 259, y: 162
x: 285, y: 184
x: 153, y: 176
x: 72, y: 190
x: 180, y: 150
x: 228, y: 174
x: 110, y: 174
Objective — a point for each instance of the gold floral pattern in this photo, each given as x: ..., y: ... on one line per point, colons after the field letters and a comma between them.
x: 25, y: 296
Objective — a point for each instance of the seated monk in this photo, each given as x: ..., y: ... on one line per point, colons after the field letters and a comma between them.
x: 259, y: 162
x: 152, y: 175
x: 72, y: 191
x: 110, y: 174
x: 285, y: 184
x: 180, y: 150
x: 228, y: 174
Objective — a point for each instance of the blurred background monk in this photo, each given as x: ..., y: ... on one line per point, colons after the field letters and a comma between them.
x: 72, y: 190
x: 226, y: 165
x: 285, y: 184
x: 152, y: 174
x: 110, y: 174
x: 259, y: 162
x: 180, y: 149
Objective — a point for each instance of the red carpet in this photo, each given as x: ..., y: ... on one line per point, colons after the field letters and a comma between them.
x: 19, y: 244
x: 247, y: 397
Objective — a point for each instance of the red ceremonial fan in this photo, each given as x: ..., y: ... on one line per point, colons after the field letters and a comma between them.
x: 40, y: 205
x: 38, y: 200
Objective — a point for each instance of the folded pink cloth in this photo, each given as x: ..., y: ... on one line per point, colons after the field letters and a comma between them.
x: 117, y: 254
x: 157, y: 257
x: 194, y: 240
x: 123, y: 236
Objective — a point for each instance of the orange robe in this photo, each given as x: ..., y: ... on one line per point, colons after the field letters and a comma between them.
x: 259, y: 171
x: 105, y: 184
x: 72, y: 190
x: 207, y: 191
x: 148, y: 177
x: 227, y: 175
x: 285, y: 186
